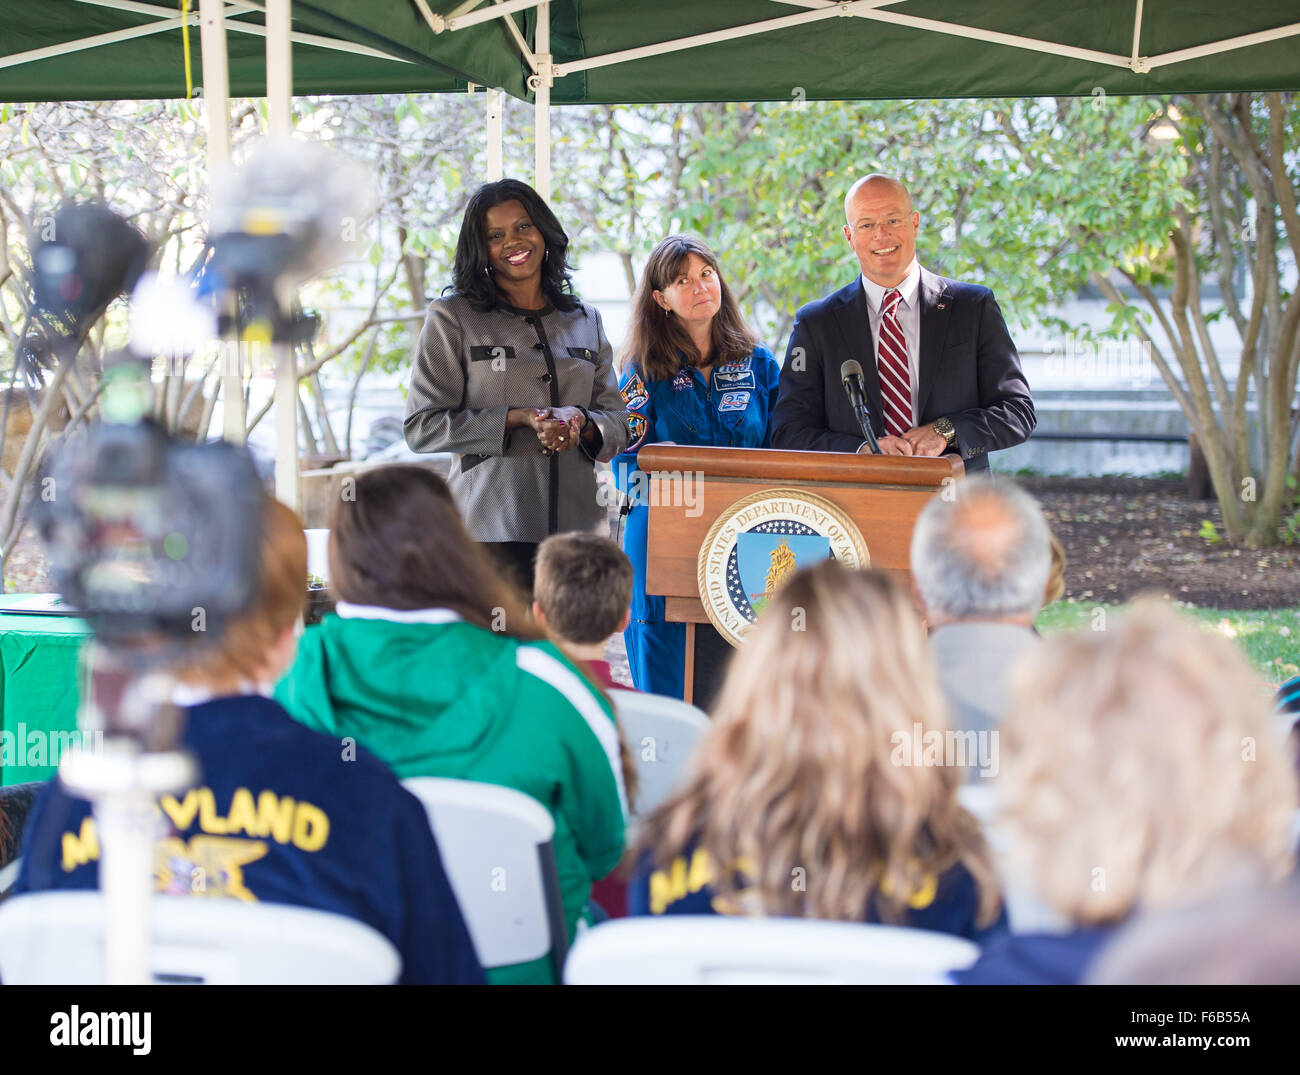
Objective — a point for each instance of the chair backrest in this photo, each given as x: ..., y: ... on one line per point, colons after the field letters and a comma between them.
x: 496, y: 846
x: 57, y: 938
x: 661, y: 733
x: 715, y: 950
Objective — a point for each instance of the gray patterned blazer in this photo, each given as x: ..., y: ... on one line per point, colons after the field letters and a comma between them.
x: 470, y: 368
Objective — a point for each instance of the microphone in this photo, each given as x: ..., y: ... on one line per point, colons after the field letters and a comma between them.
x: 851, y: 375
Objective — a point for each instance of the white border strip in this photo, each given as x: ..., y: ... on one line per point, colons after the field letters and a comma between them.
x: 538, y: 663
x: 348, y: 611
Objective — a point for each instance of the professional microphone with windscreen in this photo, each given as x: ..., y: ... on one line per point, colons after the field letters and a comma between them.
x: 851, y: 375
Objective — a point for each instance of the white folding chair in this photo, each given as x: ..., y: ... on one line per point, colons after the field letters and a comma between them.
x: 496, y: 846
x: 661, y: 733
x: 57, y: 938
x: 715, y: 950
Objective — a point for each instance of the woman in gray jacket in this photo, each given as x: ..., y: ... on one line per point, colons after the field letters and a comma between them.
x: 515, y: 376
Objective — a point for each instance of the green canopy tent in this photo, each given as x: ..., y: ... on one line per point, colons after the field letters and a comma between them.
x: 624, y: 51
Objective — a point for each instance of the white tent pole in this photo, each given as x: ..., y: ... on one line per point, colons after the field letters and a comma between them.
x: 487, y: 14
x: 1245, y: 41
x: 495, y: 168
x: 1137, y: 36
x: 279, y: 92
x: 233, y: 25
x: 279, y: 66
x: 541, y: 85
x: 83, y: 43
x: 216, y: 104
x: 862, y: 9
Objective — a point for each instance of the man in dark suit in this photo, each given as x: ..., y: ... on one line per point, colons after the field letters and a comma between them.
x: 939, y: 368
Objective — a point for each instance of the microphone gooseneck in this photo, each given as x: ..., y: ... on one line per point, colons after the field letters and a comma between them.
x: 851, y: 375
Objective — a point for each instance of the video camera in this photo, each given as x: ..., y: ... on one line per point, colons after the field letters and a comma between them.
x: 153, y: 539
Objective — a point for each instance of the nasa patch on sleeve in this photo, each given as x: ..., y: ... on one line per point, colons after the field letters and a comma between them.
x: 637, y: 427
x: 634, y: 393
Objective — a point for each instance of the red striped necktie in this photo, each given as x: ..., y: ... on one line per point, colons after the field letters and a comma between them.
x: 895, y: 377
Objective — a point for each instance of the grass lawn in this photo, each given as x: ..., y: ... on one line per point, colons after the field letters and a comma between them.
x: 1270, y: 638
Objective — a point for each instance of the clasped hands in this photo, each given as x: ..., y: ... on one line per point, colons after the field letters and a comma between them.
x: 922, y: 440
x: 558, y: 428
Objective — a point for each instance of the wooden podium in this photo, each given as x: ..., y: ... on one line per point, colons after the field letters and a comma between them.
x: 691, y: 487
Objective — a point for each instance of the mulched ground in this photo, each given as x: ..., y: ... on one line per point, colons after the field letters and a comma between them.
x: 1121, y: 536
x: 1126, y: 535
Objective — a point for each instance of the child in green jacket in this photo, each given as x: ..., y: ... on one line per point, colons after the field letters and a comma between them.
x: 430, y: 663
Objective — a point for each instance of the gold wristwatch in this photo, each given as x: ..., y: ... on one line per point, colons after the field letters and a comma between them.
x: 945, y: 429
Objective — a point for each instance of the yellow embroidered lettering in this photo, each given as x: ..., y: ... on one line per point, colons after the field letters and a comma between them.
x: 243, y: 815
x: 311, y: 828
x: 78, y: 850
x: 275, y: 817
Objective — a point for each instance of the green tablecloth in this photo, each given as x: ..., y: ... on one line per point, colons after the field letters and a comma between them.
x: 38, y: 693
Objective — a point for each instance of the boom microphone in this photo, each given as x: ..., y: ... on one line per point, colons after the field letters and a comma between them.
x: 851, y: 375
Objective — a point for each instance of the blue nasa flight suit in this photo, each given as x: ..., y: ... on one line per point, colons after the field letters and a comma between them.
x: 731, y: 410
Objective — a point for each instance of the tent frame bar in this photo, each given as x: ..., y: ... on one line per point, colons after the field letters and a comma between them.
x: 1137, y: 36
x: 464, y: 16
x: 173, y: 21
x: 1227, y: 45
x: 863, y: 9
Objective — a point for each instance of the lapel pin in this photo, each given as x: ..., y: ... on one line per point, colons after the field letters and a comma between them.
x: 943, y: 306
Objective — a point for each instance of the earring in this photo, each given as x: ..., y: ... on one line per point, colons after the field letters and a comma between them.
x: 487, y: 270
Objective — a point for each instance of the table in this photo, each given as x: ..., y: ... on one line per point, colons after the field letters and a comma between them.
x: 38, y: 693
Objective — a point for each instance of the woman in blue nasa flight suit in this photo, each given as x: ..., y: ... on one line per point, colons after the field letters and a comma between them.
x: 692, y: 373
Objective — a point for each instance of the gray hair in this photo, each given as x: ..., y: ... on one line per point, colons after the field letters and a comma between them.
x: 965, y: 567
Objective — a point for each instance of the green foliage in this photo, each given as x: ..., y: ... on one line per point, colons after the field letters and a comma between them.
x: 1209, y: 533
x: 1030, y: 197
x: 1268, y: 637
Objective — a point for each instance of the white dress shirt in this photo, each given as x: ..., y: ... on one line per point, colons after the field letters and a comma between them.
x: 909, y: 319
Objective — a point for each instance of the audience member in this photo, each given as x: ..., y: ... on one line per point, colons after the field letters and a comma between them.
x: 282, y: 814
x: 1250, y: 938
x: 431, y: 662
x: 583, y: 598
x: 15, y: 801
x: 981, y: 556
x: 1139, y: 772
x: 804, y: 798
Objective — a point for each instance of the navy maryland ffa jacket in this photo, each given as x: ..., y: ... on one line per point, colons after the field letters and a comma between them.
x: 281, y: 814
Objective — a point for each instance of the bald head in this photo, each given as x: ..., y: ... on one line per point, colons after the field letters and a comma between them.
x: 881, y: 226
x: 875, y: 185
x: 982, y: 554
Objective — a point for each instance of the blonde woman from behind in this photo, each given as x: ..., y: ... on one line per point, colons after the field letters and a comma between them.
x: 1140, y: 773
x: 806, y: 798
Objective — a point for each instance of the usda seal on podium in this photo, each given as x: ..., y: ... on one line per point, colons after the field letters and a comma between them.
x: 758, y: 542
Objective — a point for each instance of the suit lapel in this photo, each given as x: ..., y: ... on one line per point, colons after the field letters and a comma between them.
x: 854, y: 320
x: 936, y: 306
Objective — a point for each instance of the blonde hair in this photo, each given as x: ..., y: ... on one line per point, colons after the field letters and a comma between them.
x: 795, y: 770
x: 1140, y: 769
x: 238, y: 656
